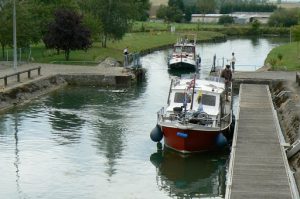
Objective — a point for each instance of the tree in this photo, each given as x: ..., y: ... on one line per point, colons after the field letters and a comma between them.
x: 67, y: 33
x: 176, y: 3
x: 27, y: 32
x: 116, y: 16
x: 206, y: 6
x: 169, y: 14
x: 226, y: 19
x: 255, y: 25
x: 284, y: 17
x: 42, y: 11
x: 142, y: 9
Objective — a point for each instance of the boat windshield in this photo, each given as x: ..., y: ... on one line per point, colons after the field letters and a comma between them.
x: 180, y: 98
x: 187, y: 49
x: 209, y: 100
x: 177, y: 49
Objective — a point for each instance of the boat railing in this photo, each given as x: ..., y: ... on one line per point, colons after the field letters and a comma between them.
x: 185, y: 117
x: 160, y: 114
x: 215, y: 79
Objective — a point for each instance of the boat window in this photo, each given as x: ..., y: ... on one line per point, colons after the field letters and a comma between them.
x: 209, y: 100
x: 177, y: 49
x: 179, y: 98
x: 187, y: 49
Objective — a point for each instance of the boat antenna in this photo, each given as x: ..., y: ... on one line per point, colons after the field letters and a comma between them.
x: 194, y: 80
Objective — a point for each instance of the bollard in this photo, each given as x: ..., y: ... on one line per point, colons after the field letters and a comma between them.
x: 18, y: 77
x: 5, y: 80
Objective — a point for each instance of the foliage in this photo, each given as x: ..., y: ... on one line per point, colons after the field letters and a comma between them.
x: 226, y: 19
x: 188, y: 13
x: 255, y: 25
x: 142, y: 8
x: 177, y: 3
x: 25, y: 23
x: 115, y: 16
x: 94, y: 25
x: 206, y: 6
x: 136, y: 42
x: 169, y: 14
x: 279, y: 56
x: 284, y: 17
x: 67, y: 33
x: 246, y: 6
x: 296, y: 33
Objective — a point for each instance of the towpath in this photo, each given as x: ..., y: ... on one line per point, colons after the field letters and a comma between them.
x: 108, y: 68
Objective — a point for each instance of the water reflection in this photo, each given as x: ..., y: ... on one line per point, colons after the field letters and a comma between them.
x: 190, y: 175
x: 254, y: 41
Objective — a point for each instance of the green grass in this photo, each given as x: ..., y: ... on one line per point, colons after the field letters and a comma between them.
x: 290, y: 57
x: 161, y: 26
x: 135, y: 42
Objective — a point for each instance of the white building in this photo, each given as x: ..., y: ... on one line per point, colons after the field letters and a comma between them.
x: 238, y: 17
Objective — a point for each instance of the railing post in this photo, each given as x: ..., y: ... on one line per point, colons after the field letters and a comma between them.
x: 5, y: 80
x: 18, y: 76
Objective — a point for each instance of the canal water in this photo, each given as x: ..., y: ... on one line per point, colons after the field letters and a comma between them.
x: 87, y: 142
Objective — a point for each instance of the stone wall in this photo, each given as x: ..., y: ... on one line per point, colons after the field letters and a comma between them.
x: 97, y: 80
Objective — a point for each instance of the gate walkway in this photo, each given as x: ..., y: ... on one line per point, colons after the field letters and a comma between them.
x: 258, y: 164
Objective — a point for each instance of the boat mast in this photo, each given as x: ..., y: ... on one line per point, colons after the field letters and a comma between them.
x: 193, y: 92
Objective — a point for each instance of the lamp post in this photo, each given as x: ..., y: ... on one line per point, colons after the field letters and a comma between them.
x: 15, y: 36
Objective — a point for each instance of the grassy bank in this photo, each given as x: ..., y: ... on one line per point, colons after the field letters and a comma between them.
x: 285, y: 57
x: 135, y: 42
x: 230, y: 29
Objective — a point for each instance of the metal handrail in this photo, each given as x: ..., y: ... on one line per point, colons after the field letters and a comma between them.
x: 28, y: 71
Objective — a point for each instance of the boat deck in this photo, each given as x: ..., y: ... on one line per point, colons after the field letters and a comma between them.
x: 258, y: 164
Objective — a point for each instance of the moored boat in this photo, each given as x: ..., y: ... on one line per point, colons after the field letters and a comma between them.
x: 184, y: 54
x: 198, y: 117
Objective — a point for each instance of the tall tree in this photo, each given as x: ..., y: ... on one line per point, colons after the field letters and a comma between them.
x: 206, y: 6
x: 176, y: 3
x: 169, y: 14
x: 116, y: 16
x: 26, y: 26
x: 67, y: 33
x: 142, y: 9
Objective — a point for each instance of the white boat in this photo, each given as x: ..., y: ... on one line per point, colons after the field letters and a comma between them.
x: 197, y: 118
x: 184, y: 54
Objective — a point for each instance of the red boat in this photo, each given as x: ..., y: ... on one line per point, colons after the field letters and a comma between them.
x: 197, y: 118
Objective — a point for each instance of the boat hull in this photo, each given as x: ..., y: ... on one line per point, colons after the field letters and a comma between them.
x: 188, y: 141
x: 189, y: 64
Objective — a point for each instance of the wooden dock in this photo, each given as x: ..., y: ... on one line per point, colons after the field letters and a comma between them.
x: 258, y: 164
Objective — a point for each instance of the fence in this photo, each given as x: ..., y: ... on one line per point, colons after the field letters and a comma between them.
x: 18, y: 74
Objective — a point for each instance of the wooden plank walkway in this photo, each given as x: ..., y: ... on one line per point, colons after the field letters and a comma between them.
x: 258, y: 166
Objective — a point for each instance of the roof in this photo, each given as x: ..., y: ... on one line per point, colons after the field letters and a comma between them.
x: 204, y: 85
x: 237, y: 14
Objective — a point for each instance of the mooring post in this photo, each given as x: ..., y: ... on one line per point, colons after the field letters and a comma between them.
x: 5, y: 80
x: 29, y: 73
x: 39, y: 70
x: 18, y: 77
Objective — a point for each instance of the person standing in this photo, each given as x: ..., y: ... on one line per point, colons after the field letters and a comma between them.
x: 227, y: 75
x: 125, y: 52
x: 233, y: 62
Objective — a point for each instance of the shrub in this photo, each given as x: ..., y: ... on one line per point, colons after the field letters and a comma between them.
x: 284, y: 17
x: 226, y: 19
